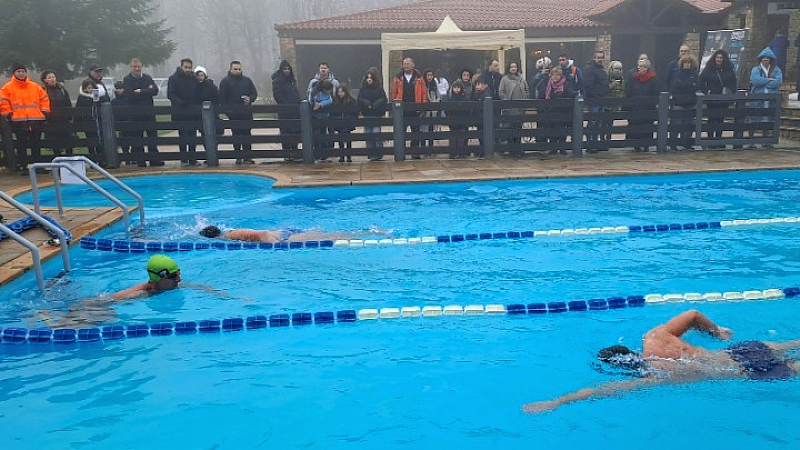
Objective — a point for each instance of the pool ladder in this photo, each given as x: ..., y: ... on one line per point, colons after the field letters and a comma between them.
x: 64, y: 163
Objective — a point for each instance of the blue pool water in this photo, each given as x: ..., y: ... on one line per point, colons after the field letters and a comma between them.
x: 418, y: 383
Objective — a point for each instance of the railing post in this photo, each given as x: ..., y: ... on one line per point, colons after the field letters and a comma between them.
x: 663, y: 122
x: 776, y: 125
x: 698, y: 122
x: 306, y: 132
x: 8, y: 145
x: 488, y: 127
x: 399, y: 134
x: 209, y: 121
x: 108, y: 135
x: 577, y: 126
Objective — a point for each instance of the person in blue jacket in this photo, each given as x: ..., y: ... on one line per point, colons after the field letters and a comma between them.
x: 765, y: 78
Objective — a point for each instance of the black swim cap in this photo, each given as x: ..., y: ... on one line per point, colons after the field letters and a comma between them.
x: 210, y: 231
x: 621, y: 356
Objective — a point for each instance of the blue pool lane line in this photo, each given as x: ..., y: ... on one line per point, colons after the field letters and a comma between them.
x: 108, y: 245
x: 39, y: 336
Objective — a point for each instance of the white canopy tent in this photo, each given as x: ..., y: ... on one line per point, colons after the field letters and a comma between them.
x: 449, y: 36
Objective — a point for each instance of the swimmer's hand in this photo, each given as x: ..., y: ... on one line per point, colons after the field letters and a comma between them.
x: 724, y: 334
x: 540, y: 407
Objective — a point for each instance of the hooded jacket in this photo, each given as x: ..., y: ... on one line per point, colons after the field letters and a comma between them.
x: 766, y: 82
x: 233, y: 87
x: 313, y: 84
x: 372, y: 99
x: 145, y: 83
x: 182, y: 88
x: 24, y: 100
x: 284, y: 88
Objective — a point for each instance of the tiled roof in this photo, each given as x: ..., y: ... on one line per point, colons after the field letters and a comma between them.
x: 508, y: 14
x: 427, y: 15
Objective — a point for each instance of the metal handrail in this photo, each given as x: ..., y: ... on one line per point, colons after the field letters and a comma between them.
x: 109, y: 177
x: 37, y: 260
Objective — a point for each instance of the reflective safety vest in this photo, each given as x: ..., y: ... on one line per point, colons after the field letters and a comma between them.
x: 24, y: 99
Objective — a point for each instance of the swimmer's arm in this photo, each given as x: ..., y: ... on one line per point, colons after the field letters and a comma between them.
x: 695, y: 320
x: 206, y: 288
x: 248, y: 235
x: 604, y: 390
x: 132, y: 292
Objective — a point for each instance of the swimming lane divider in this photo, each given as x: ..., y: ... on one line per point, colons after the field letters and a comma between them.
x: 41, y: 336
x: 116, y: 245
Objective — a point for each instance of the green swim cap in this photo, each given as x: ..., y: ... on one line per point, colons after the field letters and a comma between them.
x: 160, y: 266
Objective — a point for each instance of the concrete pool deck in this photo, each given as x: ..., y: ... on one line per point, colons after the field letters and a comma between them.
x: 15, y: 259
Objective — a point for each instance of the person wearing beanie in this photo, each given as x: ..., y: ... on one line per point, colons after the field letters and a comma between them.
x: 140, y: 88
x: 26, y: 105
x: 237, y: 89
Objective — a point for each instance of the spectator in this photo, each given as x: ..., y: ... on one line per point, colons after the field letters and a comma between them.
x: 537, y: 83
x: 59, y: 98
x: 121, y: 99
x: 182, y: 94
x: 718, y: 78
x: 408, y: 86
x: 442, y: 84
x: 616, y: 88
x: 492, y: 76
x: 683, y: 87
x: 207, y: 92
x: 26, y: 105
x: 87, y: 99
x: 432, y: 97
x: 466, y: 80
x: 237, y: 89
x: 643, y: 85
x: 635, y: 68
x: 458, y: 145
x: 321, y: 102
x: 765, y: 78
x: 558, y: 87
x: 673, y: 67
x: 285, y: 92
x: 596, y: 86
x: 571, y: 72
x: 323, y: 74
x: 96, y: 75
x: 480, y: 93
x: 344, y: 107
x: 372, y: 102
x: 514, y: 87
x: 141, y: 89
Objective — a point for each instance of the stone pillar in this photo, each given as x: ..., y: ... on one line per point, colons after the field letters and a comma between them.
x: 791, y: 56
x: 288, y: 50
x: 757, y: 23
x: 604, y: 44
x: 693, y: 41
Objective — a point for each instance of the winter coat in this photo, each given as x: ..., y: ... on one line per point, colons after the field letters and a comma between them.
x: 105, y: 94
x: 182, y: 93
x: 493, y: 80
x: 574, y: 75
x: 284, y: 89
x: 713, y: 79
x: 325, y: 100
x: 207, y: 91
x: 59, y: 97
x: 24, y: 100
x: 763, y: 82
x: 595, y: 81
x: 513, y: 87
x: 452, y: 98
x: 148, y: 87
x: 233, y: 87
x: 684, y: 86
x: 312, y: 85
x: 372, y: 100
x: 420, y: 90
x: 344, y: 109
x: 642, y: 87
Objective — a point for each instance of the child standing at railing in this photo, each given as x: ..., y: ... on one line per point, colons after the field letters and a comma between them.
x: 344, y: 107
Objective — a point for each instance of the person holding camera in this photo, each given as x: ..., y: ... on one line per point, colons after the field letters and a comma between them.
x: 237, y: 89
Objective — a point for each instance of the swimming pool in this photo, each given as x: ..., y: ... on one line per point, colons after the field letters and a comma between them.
x: 423, y: 382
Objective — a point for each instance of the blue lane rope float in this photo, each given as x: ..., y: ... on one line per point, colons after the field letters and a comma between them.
x: 26, y: 223
x: 108, y: 245
x: 117, y: 332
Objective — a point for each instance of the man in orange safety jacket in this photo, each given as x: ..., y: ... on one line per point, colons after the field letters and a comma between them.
x: 26, y: 105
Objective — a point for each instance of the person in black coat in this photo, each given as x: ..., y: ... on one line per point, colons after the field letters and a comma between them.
x: 182, y: 93
x: 558, y: 87
x: 683, y: 87
x: 285, y: 92
x: 59, y: 98
x: 641, y: 84
x: 237, y: 89
x: 458, y: 146
x: 207, y: 92
x: 718, y: 78
x: 344, y: 107
x: 372, y: 102
x: 140, y: 90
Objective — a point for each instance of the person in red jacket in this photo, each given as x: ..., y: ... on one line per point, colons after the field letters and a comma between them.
x: 26, y: 105
x: 409, y: 86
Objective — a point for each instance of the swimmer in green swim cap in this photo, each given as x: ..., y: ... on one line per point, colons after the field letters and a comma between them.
x: 164, y: 275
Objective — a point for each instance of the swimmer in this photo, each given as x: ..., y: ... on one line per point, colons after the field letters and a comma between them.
x: 273, y: 236
x: 164, y: 275
x: 668, y: 359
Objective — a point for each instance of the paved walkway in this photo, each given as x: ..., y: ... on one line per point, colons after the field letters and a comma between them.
x: 15, y: 260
